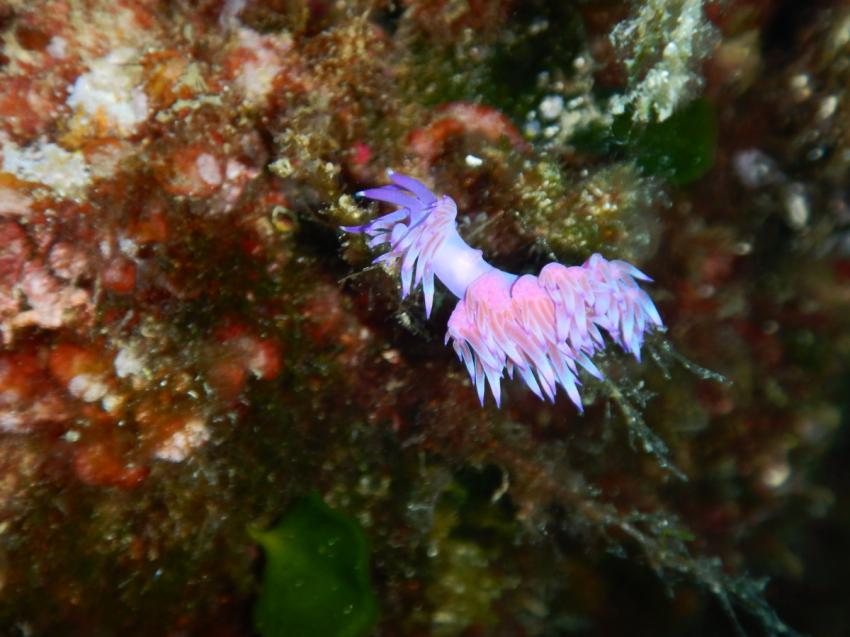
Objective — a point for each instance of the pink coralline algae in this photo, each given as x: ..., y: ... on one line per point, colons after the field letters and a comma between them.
x: 542, y: 327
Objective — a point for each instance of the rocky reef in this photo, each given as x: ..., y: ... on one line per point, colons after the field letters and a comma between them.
x: 210, y: 400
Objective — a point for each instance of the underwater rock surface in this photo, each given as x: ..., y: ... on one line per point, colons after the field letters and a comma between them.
x: 190, y: 347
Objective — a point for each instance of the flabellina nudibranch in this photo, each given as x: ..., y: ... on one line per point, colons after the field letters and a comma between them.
x: 543, y: 327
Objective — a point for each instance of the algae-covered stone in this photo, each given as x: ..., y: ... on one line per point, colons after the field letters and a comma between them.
x: 661, y: 46
x: 316, y: 579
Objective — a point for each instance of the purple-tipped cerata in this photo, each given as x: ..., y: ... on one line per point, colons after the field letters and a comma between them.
x: 544, y: 328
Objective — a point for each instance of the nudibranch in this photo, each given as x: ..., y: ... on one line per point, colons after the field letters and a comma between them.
x: 542, y: 327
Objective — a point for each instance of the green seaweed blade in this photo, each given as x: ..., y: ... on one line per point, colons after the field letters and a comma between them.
x: 316, y: 578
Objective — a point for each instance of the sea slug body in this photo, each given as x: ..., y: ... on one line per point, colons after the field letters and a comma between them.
x: 544, y: 327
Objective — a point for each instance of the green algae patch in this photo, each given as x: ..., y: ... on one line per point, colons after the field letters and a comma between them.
x: 681, y: 148
x: 316, y: 579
